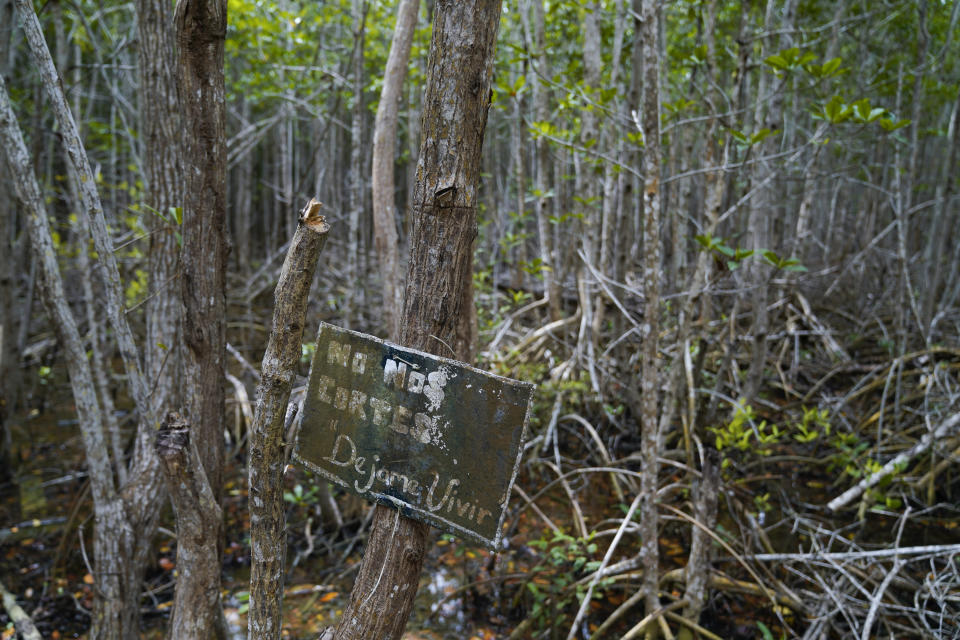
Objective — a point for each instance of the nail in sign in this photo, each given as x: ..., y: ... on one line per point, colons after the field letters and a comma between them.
x: 436, y: 438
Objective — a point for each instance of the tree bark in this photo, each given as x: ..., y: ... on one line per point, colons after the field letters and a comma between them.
x: 550, y: 267
x: 162, y: 158
x: 355, y: 173
x: 196, y: 605
x: 588, y: 192
x: 162, y: 154
x: 200, y: 34
x: 650, y: 364
x: 10, y: 380
x: 439, y: 296
x: 268, y: 540
x: 385, y: 238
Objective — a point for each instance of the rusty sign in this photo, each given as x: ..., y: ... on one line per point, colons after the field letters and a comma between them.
x: 436, y: 438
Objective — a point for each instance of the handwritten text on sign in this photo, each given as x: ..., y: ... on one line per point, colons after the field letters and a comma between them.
x: 434, y: 437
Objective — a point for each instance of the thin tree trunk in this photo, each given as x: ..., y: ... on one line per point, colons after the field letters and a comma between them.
x: 650, y: 366
x: 386, y: 241
x: 120, y: 549
x: 549, y: 268
x: 107, y: 621
x: 587, y: 182
x: 243, y: 201
x: 439, y: 296
x: 200, y: 33
x: 936, y: 258
x: 10, y: 378
x: 268, y: 540
x: 91, y: 205
x: 355, y: 174
x: 162, y: 158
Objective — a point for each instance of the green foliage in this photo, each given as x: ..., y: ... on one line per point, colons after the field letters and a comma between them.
x: 744, y: 434
x: 307, y: 349
x: 137, y: 288
x: 766, y: 633
x: 815, y: 422
x: 746, y: 141
x: 553, y: 591
x: 301, y: 497
x: 734, y: 257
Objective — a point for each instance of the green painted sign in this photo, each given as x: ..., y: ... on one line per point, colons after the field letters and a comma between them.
x: 436, y: 438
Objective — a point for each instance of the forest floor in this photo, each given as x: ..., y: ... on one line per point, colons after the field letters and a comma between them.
x: 782, y: 463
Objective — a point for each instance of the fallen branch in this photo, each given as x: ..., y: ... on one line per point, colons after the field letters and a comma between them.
x: 21, y: 621
x: 946, y: 428
x: 928, y: 550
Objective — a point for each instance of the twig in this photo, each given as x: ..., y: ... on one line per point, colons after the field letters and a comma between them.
x: 640, y: 626
x: 692, y: 625
x: 585, y: 602
x: 243, y: 362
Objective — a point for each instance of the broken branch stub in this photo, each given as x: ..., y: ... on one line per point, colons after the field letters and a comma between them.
x: 436, y: 438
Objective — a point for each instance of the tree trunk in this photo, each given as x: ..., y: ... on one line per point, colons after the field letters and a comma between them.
x: 196, y: 605
x: 268, y: 540
x: 10, y: 377
x: 355, y: 174
x: 650, y: 367
x: 200, y: 33
x: 107, y: 620
x: 385, y: 238
x: 588, y: 193
x: 437, y: 313
x: 161, y: 136
x: 550, y: 268
x: 120, y: 548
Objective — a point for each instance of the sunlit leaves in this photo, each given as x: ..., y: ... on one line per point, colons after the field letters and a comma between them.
x: 837, y: 111
x: 790, y: 59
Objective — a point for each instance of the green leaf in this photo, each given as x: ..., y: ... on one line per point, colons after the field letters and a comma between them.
x: 829, y: 67
x: 835, y: 110
x: 889, y: 125
x: 778, y: 62
x: 760, y: 136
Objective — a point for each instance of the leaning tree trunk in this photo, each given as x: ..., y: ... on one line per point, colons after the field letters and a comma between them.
x: 200, y: 32
x: 119, y: 544
x: 385, y: 238
x: 107, y: 621
x: 439, y: 297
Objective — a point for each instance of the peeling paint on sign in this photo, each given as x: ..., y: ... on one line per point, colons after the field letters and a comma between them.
x: 436, y: 438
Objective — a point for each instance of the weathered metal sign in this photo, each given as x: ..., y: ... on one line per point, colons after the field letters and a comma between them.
x: 436, y: 438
